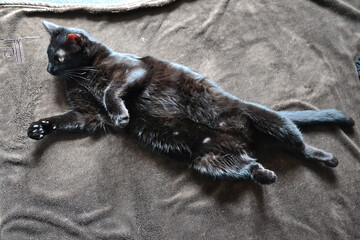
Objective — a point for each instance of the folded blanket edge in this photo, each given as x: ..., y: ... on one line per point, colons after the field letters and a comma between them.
x: 53, y: 7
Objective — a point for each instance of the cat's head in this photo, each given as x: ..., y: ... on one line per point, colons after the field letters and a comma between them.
x: 69, y: 48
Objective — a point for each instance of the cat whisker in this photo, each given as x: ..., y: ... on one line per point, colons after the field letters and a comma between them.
x: 80, y: 77
x: 63, y: 76
x: 83, y: 69
x: 76, y: 75
x: 68, y: 77
x: 82, y: 72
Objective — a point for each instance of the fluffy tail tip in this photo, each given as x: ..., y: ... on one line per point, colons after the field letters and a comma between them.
x: 349, y: 122
x: 343, y: 119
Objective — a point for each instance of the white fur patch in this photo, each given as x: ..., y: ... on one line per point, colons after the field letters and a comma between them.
x: 61, y: 52
x: 135, y: 74
x: 207, y: 140
x: 104, y: 100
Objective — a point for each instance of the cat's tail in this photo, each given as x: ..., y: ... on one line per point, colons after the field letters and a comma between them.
x: 321, y: 117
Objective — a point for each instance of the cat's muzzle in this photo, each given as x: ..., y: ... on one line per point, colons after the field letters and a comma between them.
x: 50, y: 69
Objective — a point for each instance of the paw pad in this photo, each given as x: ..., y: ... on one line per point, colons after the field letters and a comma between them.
x: 38, y: 130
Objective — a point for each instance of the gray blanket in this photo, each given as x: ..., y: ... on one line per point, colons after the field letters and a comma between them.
x: 290, y: 55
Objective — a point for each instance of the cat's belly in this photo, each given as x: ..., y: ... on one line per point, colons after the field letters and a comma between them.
x: 169, y: 103
x: 182, y: 139
x: 187, y: 124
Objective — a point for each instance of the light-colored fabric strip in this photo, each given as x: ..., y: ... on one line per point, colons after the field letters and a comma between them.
x: 91, y: 6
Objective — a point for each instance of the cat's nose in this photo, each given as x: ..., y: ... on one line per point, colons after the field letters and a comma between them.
x: 50, y: 68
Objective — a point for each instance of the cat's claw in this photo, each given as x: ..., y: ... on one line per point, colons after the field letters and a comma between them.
x: 38, y: 130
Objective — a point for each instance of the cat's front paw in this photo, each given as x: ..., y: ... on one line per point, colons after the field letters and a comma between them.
x: 120, y: 120
x: 39, y: 129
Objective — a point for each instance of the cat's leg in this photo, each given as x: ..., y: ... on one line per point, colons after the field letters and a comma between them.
x: 270, y: 123
x: 315, y: 154
x: 249, y: 119
x: 233, y: 166
x: 285, y: 131
x: 311, y: 153
x: 281, y: 131
x: 117, y: 91
x: 71, y: 121
x: 115, y: 106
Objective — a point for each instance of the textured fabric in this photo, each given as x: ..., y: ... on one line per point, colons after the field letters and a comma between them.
x: 72, y: 2
x: 282, y: 54
x: 87, y: 5
x: 357, y: 64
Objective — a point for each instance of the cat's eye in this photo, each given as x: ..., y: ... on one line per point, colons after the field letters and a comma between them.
x: 61, y: 59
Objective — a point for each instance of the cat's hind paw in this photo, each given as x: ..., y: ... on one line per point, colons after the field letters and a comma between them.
x: 37, y: 130
x: 262, y: 175
x: 332, y: 162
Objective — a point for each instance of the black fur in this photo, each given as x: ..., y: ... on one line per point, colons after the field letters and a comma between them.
x: 311, y: 117
x: 170, y: 109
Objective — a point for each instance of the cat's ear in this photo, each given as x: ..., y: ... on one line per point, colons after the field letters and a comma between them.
x: 75, y: 41
x: 74, y: 38
x: 51, y: 28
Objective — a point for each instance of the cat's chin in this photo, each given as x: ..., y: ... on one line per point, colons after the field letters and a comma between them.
x: 58, y: 77
x: 55, y: 74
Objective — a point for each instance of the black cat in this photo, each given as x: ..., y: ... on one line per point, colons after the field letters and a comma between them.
x: 171, y: 109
